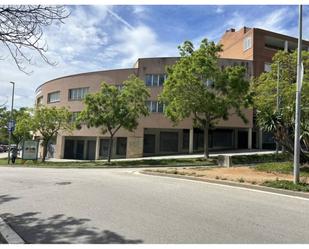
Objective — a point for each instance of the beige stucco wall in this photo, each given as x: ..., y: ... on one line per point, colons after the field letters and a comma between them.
x: 154, y: 120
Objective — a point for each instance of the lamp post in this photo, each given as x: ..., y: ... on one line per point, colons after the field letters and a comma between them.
x: 277, y: 107
x: 298, y: 99
x: 11, y: 122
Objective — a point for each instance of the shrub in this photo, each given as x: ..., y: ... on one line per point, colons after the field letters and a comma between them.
x: 260, y: 158
x: 241, y: 179
x: 284, y: 184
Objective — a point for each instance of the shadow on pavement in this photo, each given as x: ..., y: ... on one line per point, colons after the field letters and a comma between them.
x: 61, y: 229
x: 6, y: 198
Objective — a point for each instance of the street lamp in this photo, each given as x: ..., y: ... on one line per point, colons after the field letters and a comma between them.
x: 278, y: 101
x: 298, y: 99
x: 11, y: 122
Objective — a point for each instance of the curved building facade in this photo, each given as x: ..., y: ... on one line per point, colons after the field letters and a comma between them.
x: 155, y: 135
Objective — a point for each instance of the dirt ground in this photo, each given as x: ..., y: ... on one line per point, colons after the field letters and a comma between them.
x: 239, y: 174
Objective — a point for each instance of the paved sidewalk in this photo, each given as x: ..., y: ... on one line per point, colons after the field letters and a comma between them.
x: 200, y: 155
x: 212, y: 154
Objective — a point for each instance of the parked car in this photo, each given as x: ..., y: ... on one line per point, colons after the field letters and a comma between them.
x: 1, y: 149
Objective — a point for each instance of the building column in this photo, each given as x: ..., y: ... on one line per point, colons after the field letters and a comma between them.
x: 260, y: 139
x: 286, y: 46
x: 97, y: 148
x: 191, y: 134
x: 85, y: 149
x: 250, y: 138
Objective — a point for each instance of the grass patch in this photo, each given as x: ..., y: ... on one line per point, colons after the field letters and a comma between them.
x: 116, y: 164
x: 281, y: 167
x: 260, y: 158
x: 284, y: 184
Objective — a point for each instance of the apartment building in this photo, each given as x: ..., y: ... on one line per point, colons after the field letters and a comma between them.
x: 156, y: 134
x: 258, y: 46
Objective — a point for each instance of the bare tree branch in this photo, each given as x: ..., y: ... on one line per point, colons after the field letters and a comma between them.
x: 21, y: 29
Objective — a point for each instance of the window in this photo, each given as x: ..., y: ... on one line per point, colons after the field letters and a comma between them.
x: 155, y: 79
x: 148, y: 79
x: 53, y: 97
x: 74, y: 116
x: 160, y: 107
x: 162, y: 78
x: 78, y: 93
x: 155, y: 106
x: 247, y: 43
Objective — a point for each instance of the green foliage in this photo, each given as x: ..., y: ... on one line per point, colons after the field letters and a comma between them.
x: 197, y: 87
x: 49, y: 121
x: 276, y: 167
x: 113, y: 108
x: 284, y: 184
x: 281, y: 122
x: 257, y: 158
x: 23, y: 124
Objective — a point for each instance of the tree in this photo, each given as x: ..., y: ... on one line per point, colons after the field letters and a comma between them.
x: 49, y: 121
x: 281, y: 122
x: 196, y: 87
x: 21, y: 30
x: 23, y: 124
x: 113, y: 108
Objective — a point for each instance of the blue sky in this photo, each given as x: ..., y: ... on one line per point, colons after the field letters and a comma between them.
x: 101, y: 37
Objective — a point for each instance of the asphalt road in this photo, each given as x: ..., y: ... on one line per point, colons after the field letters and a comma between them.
x: 121, y: 206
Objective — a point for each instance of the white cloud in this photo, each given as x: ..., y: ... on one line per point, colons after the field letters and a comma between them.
x: 141, y: 41
x: 92, y: 38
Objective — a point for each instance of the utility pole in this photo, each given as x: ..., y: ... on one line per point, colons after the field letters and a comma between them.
x: 11, y: 122
x: 277, y: 107
x: 298, y: 101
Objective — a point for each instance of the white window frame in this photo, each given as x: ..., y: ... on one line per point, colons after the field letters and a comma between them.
x: 52, y: 94
x: 78, y: 93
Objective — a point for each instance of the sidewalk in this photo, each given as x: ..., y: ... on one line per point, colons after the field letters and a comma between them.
x: 200, y: 155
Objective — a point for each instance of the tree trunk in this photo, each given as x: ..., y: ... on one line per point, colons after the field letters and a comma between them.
x: 110, y: 148
x: 44, y: 151
x: 206, y: 135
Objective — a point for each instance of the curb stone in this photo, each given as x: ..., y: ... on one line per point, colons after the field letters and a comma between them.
x: 233, y: 184
x: 8, y: 234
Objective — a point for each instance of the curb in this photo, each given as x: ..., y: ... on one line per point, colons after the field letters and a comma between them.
x: 8, y: 234
x: 233, y: 184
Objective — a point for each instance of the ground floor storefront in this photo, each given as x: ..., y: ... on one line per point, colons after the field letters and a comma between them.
x: 157, y: 141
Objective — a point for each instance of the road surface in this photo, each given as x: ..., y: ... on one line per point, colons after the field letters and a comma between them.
x: 122, y: 206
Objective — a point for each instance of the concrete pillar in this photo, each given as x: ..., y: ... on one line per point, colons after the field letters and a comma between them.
x: 85, y: 149
x: 250, y: 138
x: 286, y: 46
x: 59, y: 148
x: 191, y: 134
x: 97, y: 148
x: 260, y: 139
x: 135, y: 147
